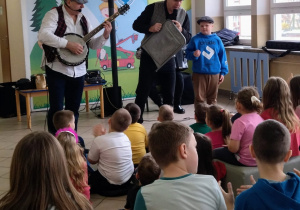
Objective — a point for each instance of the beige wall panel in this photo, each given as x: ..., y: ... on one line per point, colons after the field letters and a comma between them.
x: 16, y: 41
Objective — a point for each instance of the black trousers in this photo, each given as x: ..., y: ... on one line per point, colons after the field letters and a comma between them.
x: 166, y: 76
x: 63, y: 89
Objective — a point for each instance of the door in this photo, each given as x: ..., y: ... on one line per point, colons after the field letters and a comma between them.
x: 4, y: 44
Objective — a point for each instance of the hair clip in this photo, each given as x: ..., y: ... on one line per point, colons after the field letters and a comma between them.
x: 254, y: 98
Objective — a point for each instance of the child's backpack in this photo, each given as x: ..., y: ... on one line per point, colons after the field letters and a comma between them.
x: 228, y: 37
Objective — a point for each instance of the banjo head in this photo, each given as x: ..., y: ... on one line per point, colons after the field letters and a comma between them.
x: 67, y: 57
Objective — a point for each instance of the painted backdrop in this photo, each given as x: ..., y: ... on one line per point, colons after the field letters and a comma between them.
x: 127, y: 41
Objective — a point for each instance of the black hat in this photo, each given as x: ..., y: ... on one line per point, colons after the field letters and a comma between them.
x: 205, y: 19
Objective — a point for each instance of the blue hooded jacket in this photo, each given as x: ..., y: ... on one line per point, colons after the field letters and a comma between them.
x: 271, y: 195
x: 212, y: 59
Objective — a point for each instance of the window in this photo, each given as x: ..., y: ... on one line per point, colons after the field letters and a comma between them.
x: 285, y: 19
x: 237, y: 15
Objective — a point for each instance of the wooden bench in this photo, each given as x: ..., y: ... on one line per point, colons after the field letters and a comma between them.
x: 43, y: 92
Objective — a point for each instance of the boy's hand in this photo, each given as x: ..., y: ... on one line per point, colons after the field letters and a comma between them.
x: 297, y: 172
x: 221, y: 79
x: 228, y: 197
x: 197, y: 53
x: 99, y: 130
x: 246, y: 187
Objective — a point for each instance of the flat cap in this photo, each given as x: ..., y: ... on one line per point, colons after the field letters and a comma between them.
x: 205, y: 19
x: 81, y: 1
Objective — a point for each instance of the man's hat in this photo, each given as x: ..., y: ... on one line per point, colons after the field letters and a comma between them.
x: 205, y: 19
x: 81, y: 1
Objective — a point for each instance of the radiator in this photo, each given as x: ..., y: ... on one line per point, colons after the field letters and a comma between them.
x: 248, y: 69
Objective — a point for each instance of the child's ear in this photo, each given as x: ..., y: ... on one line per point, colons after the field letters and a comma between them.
x: 252, y: 151
x: 137, y: 176
x: 182, y: 151
x: 287, y: 156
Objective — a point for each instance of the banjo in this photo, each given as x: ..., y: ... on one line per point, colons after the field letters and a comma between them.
x: 70, y: 59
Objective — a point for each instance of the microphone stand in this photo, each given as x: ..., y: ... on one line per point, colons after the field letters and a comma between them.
x: 116, y: 98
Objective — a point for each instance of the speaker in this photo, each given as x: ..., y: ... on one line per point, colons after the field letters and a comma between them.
x: 112, y: 102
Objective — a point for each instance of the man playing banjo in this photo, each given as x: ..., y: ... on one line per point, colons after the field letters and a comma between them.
x: 66, y: 80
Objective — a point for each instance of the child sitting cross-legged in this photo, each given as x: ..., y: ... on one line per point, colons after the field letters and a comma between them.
x: 274, y: 189
x: 112, y: 154
x: 173, y: 146
x: 147, y: 172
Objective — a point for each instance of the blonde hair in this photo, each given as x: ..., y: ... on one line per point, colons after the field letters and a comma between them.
x: 39, y: 177
x: 165, y: 113
x: 75, y: 159
x: 276, y: 95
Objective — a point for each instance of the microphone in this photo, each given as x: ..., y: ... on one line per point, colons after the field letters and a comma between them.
x: 79, y: 10
x: 174, y: 14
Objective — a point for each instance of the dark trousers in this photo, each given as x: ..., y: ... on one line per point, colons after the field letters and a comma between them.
x: 101, y: 186
x: 166, y: 76
x: 225, y: 155
x: 62, y: 87
x: 156, y: 96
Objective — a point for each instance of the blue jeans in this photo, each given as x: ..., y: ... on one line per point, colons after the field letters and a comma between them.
x: 62, y: 87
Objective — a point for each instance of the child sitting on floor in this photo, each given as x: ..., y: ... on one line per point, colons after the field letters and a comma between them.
x: 237, y: 153
x: 147, y: 172
x: 39, y: 177
x: 274, y: 189
x: 277, y: 105
x: 206, y: 165
x: 76, y: 162
x: 173, y: 146
x: 200, y: 113
x: 218, y: 119
x: 64, y: 120
x: 165, y: 113
x: 137, y: 134
x: 112, y: 153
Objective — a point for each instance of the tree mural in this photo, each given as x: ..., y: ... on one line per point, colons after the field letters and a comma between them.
x: 39, y: 11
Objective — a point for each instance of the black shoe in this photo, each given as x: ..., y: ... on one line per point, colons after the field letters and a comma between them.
x: 178, y: 109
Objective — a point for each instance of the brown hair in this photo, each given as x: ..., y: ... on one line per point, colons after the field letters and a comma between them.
x: 62, y: 118
x: 205, y: 160
x: 39, y: 176
x: 134, y: 110
x: 200, y: 112
x: 295, y: 91
x: 75, y: 159
x: 164, y: 139
x: 271, y: 141
x: 219, y: 117
x: 276, y: 95
x: 244, y: 97
x: 148, y: 170
x: 120, y: 120
x: 165, y: 113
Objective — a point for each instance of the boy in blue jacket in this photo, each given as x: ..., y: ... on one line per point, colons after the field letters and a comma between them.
x: 207, y: 52
x: 274, y: 189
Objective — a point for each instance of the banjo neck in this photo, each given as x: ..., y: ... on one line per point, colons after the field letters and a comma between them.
x: 87, y: 37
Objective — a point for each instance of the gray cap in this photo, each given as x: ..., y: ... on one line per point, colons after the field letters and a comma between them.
x: 81, y: 1
x: 205, y: 19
